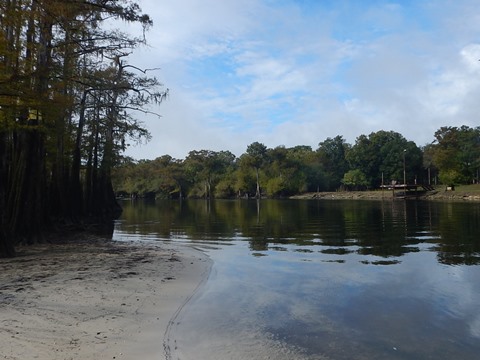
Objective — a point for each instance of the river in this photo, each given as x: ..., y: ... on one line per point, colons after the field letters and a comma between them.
x: 323, y: 279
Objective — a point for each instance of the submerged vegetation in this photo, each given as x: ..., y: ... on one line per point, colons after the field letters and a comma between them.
x: 382, y: 157
x: 67, y: 95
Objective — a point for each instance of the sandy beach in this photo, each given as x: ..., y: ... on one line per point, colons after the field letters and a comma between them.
x: 95, y: 299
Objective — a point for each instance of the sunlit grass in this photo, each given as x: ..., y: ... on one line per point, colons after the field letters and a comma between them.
x: 473, y: 188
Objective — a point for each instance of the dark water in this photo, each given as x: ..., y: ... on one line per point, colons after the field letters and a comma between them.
x: 324, y: 279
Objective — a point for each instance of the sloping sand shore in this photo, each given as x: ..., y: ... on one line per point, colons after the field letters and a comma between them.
x: 95, y: 299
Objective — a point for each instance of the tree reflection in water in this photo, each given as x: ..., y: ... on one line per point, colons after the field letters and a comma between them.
x: 387, y: 229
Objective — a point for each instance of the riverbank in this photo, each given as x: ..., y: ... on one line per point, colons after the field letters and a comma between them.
x: 441, y: 195
x: 90, y: 298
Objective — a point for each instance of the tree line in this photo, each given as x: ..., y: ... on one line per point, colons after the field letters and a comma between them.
x: 68, y: 96
x: 382, y: 157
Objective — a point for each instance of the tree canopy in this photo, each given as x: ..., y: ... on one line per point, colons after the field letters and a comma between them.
x: 380, y: 157
x: 67, y: 101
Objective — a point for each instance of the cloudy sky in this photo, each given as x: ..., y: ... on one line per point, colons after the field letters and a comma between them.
x: 294, y: 72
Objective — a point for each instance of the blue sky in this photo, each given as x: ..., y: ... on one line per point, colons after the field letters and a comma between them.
x: 294, y: 72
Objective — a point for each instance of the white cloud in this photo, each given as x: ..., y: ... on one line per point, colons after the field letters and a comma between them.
x: 255, y: 70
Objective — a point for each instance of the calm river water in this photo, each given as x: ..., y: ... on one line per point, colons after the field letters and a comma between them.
x: 306, y: 279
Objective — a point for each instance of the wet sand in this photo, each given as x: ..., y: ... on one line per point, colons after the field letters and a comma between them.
x: 95, y: 299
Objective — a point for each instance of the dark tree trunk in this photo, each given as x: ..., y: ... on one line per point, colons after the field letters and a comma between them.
x: 76, y: 193
x: 25, y: 202
x: 6, y: 244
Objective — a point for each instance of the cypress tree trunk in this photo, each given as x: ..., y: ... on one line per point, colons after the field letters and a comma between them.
x: 60, y: 177
x: 91, y: 170
x: 109, y: 206
x: 6, y: 244
x: 9, y: 27
x: 25, y: 202
x: 76, y: 194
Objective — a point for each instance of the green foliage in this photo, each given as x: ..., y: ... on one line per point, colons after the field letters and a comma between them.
x: 256, y: 157
x: 282, y: 171
x: 275, y: 186
x: 206, y: 168
x: 331, y: 154
x: 225, y: 189
x: 385, y: 153
x: 450, y: 177
x: 256, y: 153
x: 456, y: 153
x: 355, y: 180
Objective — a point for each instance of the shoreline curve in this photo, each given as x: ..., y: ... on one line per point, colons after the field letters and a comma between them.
x: 85, y: 297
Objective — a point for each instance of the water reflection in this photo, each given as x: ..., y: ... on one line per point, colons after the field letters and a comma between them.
x: 372, y: 228
x: 324, y: 279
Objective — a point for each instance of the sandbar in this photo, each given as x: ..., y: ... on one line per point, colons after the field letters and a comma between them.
x: 91, y: 298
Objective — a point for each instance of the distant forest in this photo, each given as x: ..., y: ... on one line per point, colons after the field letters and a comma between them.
x: 376, y: 159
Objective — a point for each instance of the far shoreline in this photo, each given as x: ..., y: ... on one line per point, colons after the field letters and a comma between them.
x: 437, y: 195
